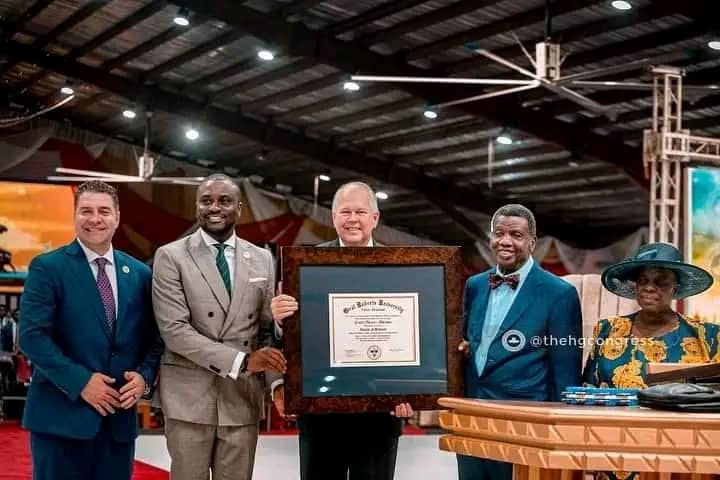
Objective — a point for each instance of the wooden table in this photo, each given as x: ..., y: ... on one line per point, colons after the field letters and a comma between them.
x: 555, y: 441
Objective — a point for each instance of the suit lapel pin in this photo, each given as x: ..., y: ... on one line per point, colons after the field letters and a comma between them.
x: 125, y: 269
x: 246, y: 255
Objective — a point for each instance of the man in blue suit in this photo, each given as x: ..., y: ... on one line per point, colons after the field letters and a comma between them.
x: 88, y: 328
x: 522, y: 329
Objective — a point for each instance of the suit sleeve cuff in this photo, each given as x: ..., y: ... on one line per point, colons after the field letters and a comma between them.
x: 234, y: 372
x: 278, y: 330
x: 76, y: 382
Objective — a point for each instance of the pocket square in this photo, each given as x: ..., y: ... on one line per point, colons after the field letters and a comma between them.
x: 258, y: 279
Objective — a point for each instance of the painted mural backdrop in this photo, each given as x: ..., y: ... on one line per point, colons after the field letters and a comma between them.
x: 703, y: 237
x: 34, y: 218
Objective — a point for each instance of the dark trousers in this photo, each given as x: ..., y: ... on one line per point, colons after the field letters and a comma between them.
x: 331, y: 458
x: 473, y: 468
x: 101, y: 458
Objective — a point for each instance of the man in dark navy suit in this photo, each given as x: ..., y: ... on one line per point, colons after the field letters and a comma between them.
x: 505, y: 307
x: 88, y: 328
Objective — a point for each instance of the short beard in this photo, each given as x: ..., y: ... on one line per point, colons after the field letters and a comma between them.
x: 221, y: 235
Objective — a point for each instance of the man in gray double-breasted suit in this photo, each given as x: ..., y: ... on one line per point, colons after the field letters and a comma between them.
x: 211, y: 295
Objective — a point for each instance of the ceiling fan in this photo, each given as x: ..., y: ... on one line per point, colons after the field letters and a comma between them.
x: 547, y: 62
x: 146, y: 164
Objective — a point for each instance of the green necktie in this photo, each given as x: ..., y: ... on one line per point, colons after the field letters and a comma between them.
x: 223, y: 267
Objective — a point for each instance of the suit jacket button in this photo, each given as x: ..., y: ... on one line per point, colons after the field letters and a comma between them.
x: 246, y: 343
x: 210, y: 314
x: 250, y: 316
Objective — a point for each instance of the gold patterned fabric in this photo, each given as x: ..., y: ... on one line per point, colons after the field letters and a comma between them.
x: 619, y: 360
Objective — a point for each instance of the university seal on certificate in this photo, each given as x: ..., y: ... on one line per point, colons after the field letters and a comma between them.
x: 370, y: 329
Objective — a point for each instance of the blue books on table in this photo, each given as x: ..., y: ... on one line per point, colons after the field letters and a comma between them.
x: 609, y: 397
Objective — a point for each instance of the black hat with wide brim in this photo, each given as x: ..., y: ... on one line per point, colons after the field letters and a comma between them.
x: 619, y: 278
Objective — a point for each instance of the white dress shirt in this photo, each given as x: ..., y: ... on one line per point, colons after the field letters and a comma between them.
x: 110, y: 268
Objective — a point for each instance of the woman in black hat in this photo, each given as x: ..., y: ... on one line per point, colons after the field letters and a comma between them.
x: 623, y: 346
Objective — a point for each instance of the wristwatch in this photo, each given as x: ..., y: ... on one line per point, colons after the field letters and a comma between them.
x: 148, y: 388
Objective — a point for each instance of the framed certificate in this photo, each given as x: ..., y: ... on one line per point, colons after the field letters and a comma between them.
x: 369, y: 330
x: 375, y: 327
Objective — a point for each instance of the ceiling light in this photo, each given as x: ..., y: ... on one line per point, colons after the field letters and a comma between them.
x: 505, y: 139
x: 621, y: 5
x: 266, y: 55
x: 182, y: 18
x: 381, y: 195
x: 324, y: 178
x: 67, y: 90
x: 351, y: 86
x: 573, y: 164
x: 430, y: 114
x: 192, y: 134
x: 128, y: 113
x: 714, y: 44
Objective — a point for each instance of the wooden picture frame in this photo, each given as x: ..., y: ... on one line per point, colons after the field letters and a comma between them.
x: 311, y: 274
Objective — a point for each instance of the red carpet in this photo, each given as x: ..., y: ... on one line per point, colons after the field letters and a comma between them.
x: 16, y: 463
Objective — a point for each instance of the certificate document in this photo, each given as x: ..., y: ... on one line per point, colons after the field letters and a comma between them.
x: 373, y: 330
